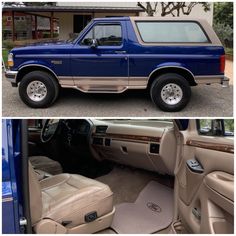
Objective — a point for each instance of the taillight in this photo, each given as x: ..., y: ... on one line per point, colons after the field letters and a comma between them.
x: 222, y: 63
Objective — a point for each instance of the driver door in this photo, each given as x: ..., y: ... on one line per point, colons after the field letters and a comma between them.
x: 104, y: 66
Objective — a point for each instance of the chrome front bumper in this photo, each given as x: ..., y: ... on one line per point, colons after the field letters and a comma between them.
x: 11, y: 76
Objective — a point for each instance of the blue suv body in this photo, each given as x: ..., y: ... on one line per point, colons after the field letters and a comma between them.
x: 112, y: 55
x: 12, y: 204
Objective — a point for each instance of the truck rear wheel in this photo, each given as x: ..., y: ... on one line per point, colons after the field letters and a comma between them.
x: 38, y: 89
x: 170, y: 92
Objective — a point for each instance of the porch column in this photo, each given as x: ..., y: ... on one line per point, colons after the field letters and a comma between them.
x: 51, y: 25
x: 13, y: 26
x: 36, y: 27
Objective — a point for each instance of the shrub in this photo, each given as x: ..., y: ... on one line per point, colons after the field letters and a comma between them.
x: 225, y: 33
x: 46, y: 35
x: 55, y: 35
x: 8, y: 44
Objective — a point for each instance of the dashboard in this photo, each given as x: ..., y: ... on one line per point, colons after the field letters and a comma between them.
x: 135, y: 143
x: 145, y: 144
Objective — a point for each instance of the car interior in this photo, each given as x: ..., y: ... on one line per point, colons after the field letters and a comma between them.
x: 126, y: 176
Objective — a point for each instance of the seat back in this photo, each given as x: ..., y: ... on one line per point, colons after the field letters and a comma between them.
x: 36, y: 205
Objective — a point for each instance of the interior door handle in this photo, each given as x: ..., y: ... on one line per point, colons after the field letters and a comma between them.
x: 195, y: 166
x: 120, y: 52
x: 124, y: 149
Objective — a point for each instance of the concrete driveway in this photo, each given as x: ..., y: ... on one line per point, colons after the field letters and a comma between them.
x: 206, y: 101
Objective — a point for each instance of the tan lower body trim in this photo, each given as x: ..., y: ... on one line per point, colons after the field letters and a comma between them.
x: 103, y: 84
x: 208, y: 79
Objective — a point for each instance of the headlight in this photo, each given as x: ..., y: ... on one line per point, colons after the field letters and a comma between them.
x: 10, y: 61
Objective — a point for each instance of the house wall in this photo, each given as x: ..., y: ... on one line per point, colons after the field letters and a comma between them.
x: 99, y: 4
x: 66, y: 21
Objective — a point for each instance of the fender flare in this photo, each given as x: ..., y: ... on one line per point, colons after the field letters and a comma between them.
x: 176, y: 66
x: 37, y: 65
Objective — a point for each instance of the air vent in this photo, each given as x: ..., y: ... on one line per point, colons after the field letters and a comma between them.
x: 154, y: 148
x: 101, y: 129
x: 98, y: 141
x: 107, y: 142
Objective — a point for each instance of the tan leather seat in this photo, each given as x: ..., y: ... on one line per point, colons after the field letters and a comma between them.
x: 46, y: 164
x: 41, y: 174
x: 66, y: 203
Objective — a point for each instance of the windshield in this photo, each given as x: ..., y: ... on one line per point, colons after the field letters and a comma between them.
x: 74, y: 36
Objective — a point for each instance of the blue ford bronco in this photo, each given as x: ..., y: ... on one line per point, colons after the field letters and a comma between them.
x: 112, y: 55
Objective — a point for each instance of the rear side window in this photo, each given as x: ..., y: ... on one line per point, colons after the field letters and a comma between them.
x: 171, y: 32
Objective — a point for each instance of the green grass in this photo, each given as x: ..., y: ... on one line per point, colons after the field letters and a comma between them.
x: 4, y: 55
x: 229, y: 51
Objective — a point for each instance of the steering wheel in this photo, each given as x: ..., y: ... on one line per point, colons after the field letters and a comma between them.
x: 49, y: 130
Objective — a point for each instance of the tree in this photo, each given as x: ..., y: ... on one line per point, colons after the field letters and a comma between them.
x: 172, y: 8
x: 223, y: 22
x: 223, y: 13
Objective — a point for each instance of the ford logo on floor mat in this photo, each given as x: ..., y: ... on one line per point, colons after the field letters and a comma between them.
x: 154, y: 207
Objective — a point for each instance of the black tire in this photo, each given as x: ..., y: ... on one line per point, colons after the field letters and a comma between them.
x: 50, y: 83
x: 171, y: 78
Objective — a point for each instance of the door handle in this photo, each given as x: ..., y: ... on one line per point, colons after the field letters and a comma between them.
x: 195, y: 166
x: 120, y: 52
x: 124, y: 149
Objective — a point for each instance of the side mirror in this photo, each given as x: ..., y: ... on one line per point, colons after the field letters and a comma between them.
x: 94, y: 43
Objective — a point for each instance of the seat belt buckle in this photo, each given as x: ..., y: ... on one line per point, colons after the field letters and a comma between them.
x: 66, y: 222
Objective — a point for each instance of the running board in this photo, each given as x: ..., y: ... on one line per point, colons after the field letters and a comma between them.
x: 103, y: 89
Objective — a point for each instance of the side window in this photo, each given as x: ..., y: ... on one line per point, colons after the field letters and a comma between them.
x: 171, y: 32
x: 106, y: 35
x: 217, y: 127
x: 87, y: 40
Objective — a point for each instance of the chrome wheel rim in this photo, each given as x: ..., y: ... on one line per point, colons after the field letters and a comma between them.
x: 36, y: 91
x: 171, y: 94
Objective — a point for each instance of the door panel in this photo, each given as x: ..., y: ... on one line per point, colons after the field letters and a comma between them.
x: 222, y: 183
x: 205, y: 200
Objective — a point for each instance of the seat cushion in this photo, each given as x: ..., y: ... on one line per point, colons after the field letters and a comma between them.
x: 68, y: 198
x: 46, y: 164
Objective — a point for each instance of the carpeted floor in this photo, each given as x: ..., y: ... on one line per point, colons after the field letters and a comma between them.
x: 151, y: 212
x: 126, y: 183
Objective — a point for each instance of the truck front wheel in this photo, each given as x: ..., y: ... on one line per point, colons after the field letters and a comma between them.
x: 38, y: 89
x: 170, y: 92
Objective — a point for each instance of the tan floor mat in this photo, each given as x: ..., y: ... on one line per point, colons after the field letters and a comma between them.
x: 151, y: 212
